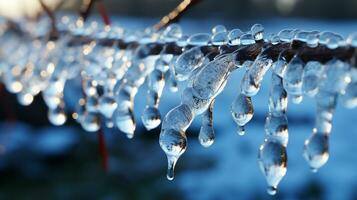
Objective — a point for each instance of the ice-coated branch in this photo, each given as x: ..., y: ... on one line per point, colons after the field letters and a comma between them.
x: 114, y: 63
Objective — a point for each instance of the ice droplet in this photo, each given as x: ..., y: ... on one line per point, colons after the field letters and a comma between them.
x: 276, y: 128
x: 252, y: 79
x: 247, y: 39
x: 292, y: 80
x: 218, y: 29
x: 173, y: 143
x: 310, y: 78
x: 219, y: 38
x: 206, y: 135
x: 257, y: 31
x: 278, y: 101
x: 57, y: 116
x: 242, y: 110
x: 316, y: 150
x: 90, y: 122
x: 349, y: 99
x: 241, y: 130
x: 107, y: 105
x: 272, y: 160
x: 234, y: 37
x: 151, y: 118
x: 271, y: 190
x: 199, y: 39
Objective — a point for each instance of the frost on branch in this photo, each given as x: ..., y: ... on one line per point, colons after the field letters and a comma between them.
x: 112, y: 64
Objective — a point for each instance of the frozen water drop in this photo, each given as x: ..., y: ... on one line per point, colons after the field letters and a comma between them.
x: 172, y: 33
x: 24, y: 98
x: 296, y: 99
x: 257, y: 31
x: 57, y: 116
x: 171, y: 167
x: 314, y: 170
x: 276, y: 128
x: 107, y: 105
x: 271, y: 190
x: 336, y: 76
x: 286, y: 35
x: 279, y: 66
x: 316, y: 150
x: 247, y: 39
x: 151, y: 118
x: 218, y: 29
x: 206, y: 136
x: 219, y: 38
x: 209, y: 81
x: 352, y: 40
x: 292, y: 80
x: 199, y: 39
x: 234, y: 36
x: 252, y: 79
x: 241, y: 130
x: 90, y: 122
x: 274, y: 39
x: 349, y: 99
x: 272, y: 160
x: 179, y: 118
x: 173, y: 143
x: 278, y: 101
x: 187, y: 62
x: 312, y: 39
x: 310, y: 78
x: 242, y: 110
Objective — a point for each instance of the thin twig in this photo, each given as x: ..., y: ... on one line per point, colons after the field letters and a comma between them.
x: 54, y: 31
x: 175, y: 14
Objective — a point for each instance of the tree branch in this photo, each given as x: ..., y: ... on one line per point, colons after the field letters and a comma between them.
x: 175, y: 14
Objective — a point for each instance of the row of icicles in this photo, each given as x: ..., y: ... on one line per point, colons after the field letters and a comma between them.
x: 112, y: 76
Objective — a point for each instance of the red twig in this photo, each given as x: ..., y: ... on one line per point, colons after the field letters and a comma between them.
x: 7, y: 105
x: 103, y: 12
x: 103, y: 150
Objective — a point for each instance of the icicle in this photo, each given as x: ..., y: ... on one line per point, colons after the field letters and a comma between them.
x: 187, y: 62
x: 151, y: 116
x: 57, y: 115
x: 310, y: 78
x: 212, y: 77
x: 252, y: 78
x: 242, y: 111
x: 292, y: 80
x: 126, y: 90
x: 272, y: 155
x: 206, y: 135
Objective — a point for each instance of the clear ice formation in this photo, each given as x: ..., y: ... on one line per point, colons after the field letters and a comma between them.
x: 112, y: 73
